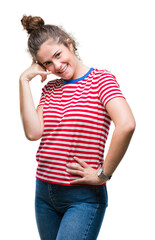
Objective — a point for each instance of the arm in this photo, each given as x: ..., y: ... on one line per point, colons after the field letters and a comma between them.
x: 124, y: 121
x: 32, y: 118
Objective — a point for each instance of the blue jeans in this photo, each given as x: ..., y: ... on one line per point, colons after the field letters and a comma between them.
x: 69, y: 212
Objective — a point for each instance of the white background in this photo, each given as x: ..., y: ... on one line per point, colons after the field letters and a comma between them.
x: 116, y: 35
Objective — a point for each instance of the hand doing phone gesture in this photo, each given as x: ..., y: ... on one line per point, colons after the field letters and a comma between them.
x: 34, y: 70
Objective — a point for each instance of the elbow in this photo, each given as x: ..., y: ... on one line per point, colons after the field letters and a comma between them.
x: 33, y: 132
x: 129, y: 127
x: 132, y: 126
x: 33, y: 137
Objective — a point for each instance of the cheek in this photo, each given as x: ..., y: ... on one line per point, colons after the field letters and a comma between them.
x: 50, y: 68
x: 67, y: 57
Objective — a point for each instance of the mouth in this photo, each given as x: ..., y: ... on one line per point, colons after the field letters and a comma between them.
x: 63, y: 70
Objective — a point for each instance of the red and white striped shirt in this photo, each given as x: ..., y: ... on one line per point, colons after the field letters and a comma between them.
x: 76, y: 123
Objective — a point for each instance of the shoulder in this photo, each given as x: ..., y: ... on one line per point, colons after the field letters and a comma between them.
x: 52, y: 83
x: 103, y: 75
x: 102, y: 72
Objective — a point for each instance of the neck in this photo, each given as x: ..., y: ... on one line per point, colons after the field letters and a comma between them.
x: 81, y: 69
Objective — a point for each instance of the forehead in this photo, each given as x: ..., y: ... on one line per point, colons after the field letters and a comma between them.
x: 48, y: 49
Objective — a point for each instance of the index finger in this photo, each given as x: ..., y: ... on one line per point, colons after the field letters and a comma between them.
x: 81, y: 162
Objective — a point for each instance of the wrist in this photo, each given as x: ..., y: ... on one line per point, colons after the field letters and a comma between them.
x: 23, y: 79
x: 102, y: 175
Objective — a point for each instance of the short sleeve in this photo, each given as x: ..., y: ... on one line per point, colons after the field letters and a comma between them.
x: 43, y: 96
x: 108, y: 87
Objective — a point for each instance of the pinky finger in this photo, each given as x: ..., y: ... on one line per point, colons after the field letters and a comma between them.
x: 78, y: 181
x: 43, y: 78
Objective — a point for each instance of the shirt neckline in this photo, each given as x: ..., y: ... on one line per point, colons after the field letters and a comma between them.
x: 77, y: 79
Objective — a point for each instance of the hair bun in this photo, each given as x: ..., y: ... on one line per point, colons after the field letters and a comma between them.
x: 31, y: 23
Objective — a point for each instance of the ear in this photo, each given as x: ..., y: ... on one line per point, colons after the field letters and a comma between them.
x: 70, y: 45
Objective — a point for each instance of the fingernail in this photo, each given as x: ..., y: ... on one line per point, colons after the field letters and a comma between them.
x: 75, y: 157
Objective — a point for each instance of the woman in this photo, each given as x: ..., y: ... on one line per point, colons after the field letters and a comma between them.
x: 72, y: 120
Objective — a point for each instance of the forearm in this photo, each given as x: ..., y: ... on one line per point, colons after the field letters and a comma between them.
x: 119, y: 143
x: 31, y: 123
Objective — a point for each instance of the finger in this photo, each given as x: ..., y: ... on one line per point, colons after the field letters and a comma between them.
x: 43, y: 78
x: 75, y: 166
x: 44, y: 75
x: 44, y: 72
x: 75, y: 172
x: 77, y: 181
x: 81, y: 162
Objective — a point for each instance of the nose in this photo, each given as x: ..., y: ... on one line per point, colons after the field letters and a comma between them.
x: 57, y: 65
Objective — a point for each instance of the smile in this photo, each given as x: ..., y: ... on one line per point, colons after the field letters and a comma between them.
x: 63, y: 69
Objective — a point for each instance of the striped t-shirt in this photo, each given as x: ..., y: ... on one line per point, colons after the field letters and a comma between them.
x: 76, y: 123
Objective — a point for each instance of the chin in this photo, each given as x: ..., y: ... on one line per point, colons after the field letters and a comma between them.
x: 68, y: 77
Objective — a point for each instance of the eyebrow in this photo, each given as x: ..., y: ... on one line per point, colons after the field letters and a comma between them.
x: 52, y: 56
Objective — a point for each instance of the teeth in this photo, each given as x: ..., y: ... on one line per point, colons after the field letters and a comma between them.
x: 64, y: 69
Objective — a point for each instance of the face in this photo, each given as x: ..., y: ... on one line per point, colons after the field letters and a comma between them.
x: 58, y: 59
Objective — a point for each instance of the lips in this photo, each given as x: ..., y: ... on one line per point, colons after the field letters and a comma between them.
x: 63, y: 70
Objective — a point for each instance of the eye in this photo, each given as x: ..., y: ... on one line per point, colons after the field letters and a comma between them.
x: 47, y: 63
x: 58, y: 55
